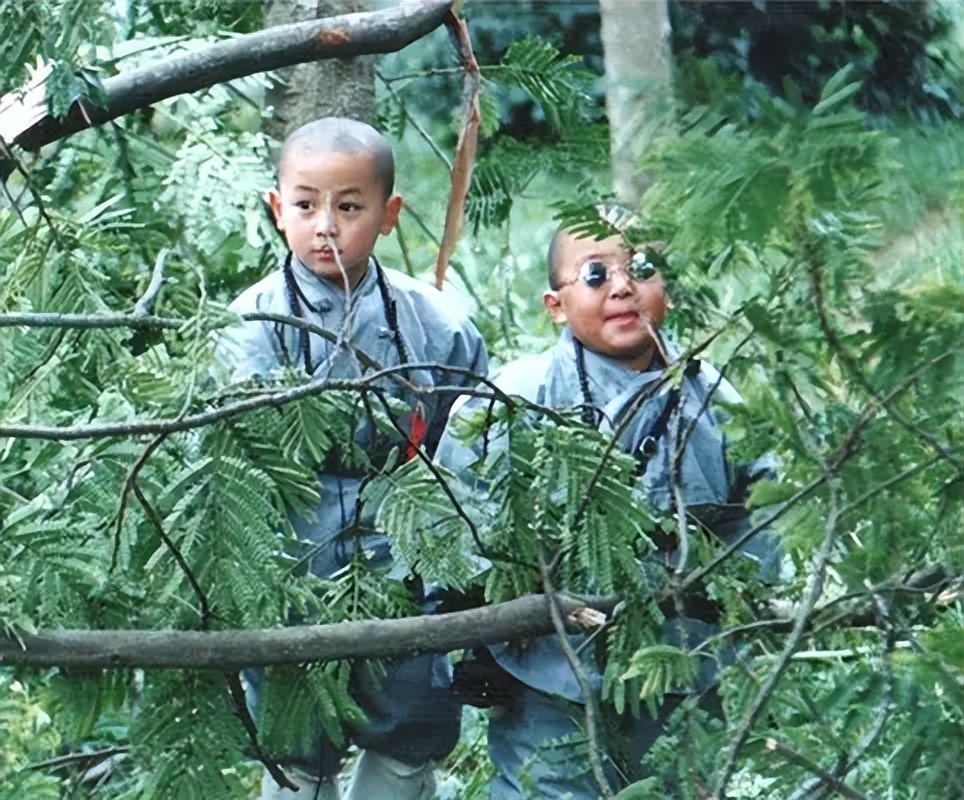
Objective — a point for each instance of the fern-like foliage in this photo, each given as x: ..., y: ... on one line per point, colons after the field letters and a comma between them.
x: 188, y: 760
x: 555, y: 81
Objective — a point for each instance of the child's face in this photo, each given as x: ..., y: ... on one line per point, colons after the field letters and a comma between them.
x: 618, y: 319
x: 332, y: 202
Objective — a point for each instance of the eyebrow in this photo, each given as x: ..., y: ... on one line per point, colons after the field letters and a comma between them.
x: 599, y: 256
x: 312, y: 190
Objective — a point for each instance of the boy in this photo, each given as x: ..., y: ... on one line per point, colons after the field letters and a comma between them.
x: 611, y: 301
x: 334, y: 198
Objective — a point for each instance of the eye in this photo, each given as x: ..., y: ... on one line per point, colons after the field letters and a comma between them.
x: 349, y: 207
x: 304, y: 205
x: 644, y: 264
x: 594, y: 274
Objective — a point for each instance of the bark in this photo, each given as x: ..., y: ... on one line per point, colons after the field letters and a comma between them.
x: 25, y: 121
x: 338, y: 87
x: 523, y: 618
x: 635, y: 35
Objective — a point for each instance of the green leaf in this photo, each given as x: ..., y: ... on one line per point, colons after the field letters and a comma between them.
x: 836, y: 99
x: 646, y: 789
x: 769, y: 493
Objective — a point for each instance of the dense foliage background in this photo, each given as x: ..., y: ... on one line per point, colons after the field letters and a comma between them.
x: 813, y: 218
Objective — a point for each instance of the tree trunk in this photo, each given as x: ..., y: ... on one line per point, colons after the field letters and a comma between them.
x: 336, y: 87
x: 635, y: 35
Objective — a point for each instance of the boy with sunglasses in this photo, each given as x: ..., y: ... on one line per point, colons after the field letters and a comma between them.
x: 611, y: 301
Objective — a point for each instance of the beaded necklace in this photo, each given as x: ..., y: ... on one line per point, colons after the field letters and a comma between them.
x: 593, y: 416
x: 297, y: 302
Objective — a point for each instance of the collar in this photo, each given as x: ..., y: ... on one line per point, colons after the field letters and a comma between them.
x: 325, y: 294
x: 609, y: 368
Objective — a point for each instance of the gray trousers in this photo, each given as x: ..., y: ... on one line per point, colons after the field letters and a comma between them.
x: 375, y: 778
x: 538, y: 747
x: 412, y: 722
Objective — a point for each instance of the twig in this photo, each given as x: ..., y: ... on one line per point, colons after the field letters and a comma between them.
x: 128, y: 484
x: 8, y: 155
x: 870, y: 494
x: 98, y: 321
x: 403, y: 247
x: 464, y: 150
x: 705, y: 404
x: 814, y: 273
x: 440, y: 479
x: 737, y: 544
x: 588, y: 695
x: 872, y: 735
x: 645, y: 394
x: 426, y: 73
x: 11, y: 493
x: 796, y: 635
x: 274, y: 399
x: 77, y: 758
x: 844, y: 451
x: 415, y: 123
x: 145, y: 305
x: 676, y: 469
x: 801, y: 760
x: 241, y: 709
x: 157, y: 522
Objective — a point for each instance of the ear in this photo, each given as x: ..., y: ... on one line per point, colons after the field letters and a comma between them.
x: 554, y: 307
x: 393, y: 207
x: 273, y: 198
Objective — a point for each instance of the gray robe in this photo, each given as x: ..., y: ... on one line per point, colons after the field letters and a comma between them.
x: 412, y: 715
x: 432, y: 330
x: 706, y: 476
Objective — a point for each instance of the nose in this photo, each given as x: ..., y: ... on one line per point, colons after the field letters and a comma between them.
x: 325, y: 224
x: 620, y: 284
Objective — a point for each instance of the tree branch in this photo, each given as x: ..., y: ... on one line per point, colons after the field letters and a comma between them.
x: 806, y: 610
x: 344, y: 36
x: 276, y: 399
x: 204, y: 610
x: 523, y: 618
x: 590, y: 698
x: 236, y: 690
x: 801, y: 760
x: 145, y: 305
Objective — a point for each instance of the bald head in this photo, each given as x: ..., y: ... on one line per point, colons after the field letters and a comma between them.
x: 341, y: 135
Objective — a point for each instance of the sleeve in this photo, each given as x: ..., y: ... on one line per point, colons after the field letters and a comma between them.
x: 732, y: 522
x: 468, y: 352
x: 248, y: 348
x: 524, y: 378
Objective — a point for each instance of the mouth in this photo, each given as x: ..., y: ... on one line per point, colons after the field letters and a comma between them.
x: 623, y: 317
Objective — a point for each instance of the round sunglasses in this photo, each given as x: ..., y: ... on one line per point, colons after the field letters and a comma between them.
x: 643, y: 265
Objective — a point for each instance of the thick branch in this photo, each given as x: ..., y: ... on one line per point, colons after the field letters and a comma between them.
x: 523, y: 618
x: 343, y: 36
